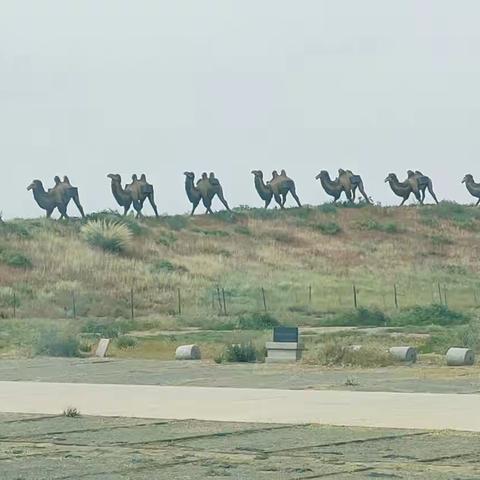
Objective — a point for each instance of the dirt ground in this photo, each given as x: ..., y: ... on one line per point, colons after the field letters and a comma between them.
x: 57, y: 447
x: 414, y: 378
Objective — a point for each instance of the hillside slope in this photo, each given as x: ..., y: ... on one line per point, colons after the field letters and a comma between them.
x: 306, y: 260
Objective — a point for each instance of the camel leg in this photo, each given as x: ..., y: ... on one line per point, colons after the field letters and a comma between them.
x: 348, y: 193
x: 195, y: 205
x: 222, y: 199
x: 208, y: 206
x: 63, y: 213
x: 151, y: 199
x: 76, y: 200
x: 403, y: 201
x: 267, y: 202
x: 295, y: 196
x: 278, y: 199
x: 284, y: 199
x: 354, y: 193
x: 49, y: 212
x: 362, y: 191
x: 478, y: 203
x: 138, y: 208
x: 432, y: 193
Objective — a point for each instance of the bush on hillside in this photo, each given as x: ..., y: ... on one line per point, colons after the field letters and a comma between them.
x: 429, y: 315
x: 110, y: 237
x: 57, y: 344
x: 257, y: 321
x: 240, y: 352
x: 108, y: 329
x: 14, y: 259
x: 334, y: 354
x: 328, y: 228
x: 360, y: 317
x: 111, y: 216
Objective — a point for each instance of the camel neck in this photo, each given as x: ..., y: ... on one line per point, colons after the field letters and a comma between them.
x: 119, y: 193
x: 399, y: 188
x: 190, y: 189
x: 40, y: 196
x: 261, y: 187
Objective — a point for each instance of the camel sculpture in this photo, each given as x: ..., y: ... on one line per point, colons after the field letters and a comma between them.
x: 140, y: 190
x: 419, y: 183
x: 67, y: 192
x: 351, y: 182
x: 402, y: 189
x: 209, y: 187
x: 281, y: 185
x: 121, y: 195
x: 50, y: 200
x: 333, y: 187
x: 193, y: 193
x: 263, y: 190
x: 472, y: 187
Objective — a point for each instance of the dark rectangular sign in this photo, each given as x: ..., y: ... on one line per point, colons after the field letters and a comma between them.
x: 285, y: 334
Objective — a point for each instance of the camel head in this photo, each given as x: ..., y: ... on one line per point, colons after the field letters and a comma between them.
x: 189, y: 175
x: 322, y: 174
x: 116, y: 178
x: 257, y: 173
x: 467, y: 178
x: 36, y: 184
x: 391, y: 178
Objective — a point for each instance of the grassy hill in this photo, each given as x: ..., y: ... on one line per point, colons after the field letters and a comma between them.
x: 304, y: 262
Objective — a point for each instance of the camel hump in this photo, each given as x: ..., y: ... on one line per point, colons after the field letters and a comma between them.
x: 143, y: 177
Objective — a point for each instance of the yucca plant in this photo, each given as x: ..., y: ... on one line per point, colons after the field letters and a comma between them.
x: 110, y: 236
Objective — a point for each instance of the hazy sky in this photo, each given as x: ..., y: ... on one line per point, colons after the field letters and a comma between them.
x: 97, y: 86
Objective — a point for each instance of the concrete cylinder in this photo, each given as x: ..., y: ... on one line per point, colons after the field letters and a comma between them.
x: 457, y: 357
x: 188, y: 352
x: 404, y: 354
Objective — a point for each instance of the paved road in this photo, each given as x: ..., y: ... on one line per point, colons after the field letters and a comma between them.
x: 366, y: 409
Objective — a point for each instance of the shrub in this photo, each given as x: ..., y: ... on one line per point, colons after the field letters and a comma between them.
x: 108, y: 329
x: 429, y: 315
x: 165, y: 266
x: 18, y: 228
x: 57, y: 344
x: 328, y: 228
x: 71, y: 412
x: 112, y: 216
x: 463, y: 216
x: 167, y: 239
x: 327, y: 208
x: 14, y: 259
x: 242, y: 230
x: 113, y: 237
x: 125, y: 342
x: 361, y: 317
x: 240, y: 352
x: 334, y: 354
x: 257, y: 321
x: 176, y: 222
x: 371, y: 224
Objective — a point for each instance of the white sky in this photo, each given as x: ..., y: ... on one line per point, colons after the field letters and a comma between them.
x: 97, y: 86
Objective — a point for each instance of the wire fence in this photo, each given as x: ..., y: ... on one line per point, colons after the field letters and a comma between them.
x: 224, y: 301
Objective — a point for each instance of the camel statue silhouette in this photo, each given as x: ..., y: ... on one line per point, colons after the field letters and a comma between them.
x: 472, y: 187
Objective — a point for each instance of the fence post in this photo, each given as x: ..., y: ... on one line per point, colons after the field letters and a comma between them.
x: 179, y: 301
x: 439, y: 293
x: 445, y: 295
x: 74, y: 306
x: 264, y: 299
x: 14, y: 305
x: 355, y: 296
x: 310, y: 294
x: 224, y: 302
x: 395, y: 294
x: 219, y: 300
x: 132, y: 309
